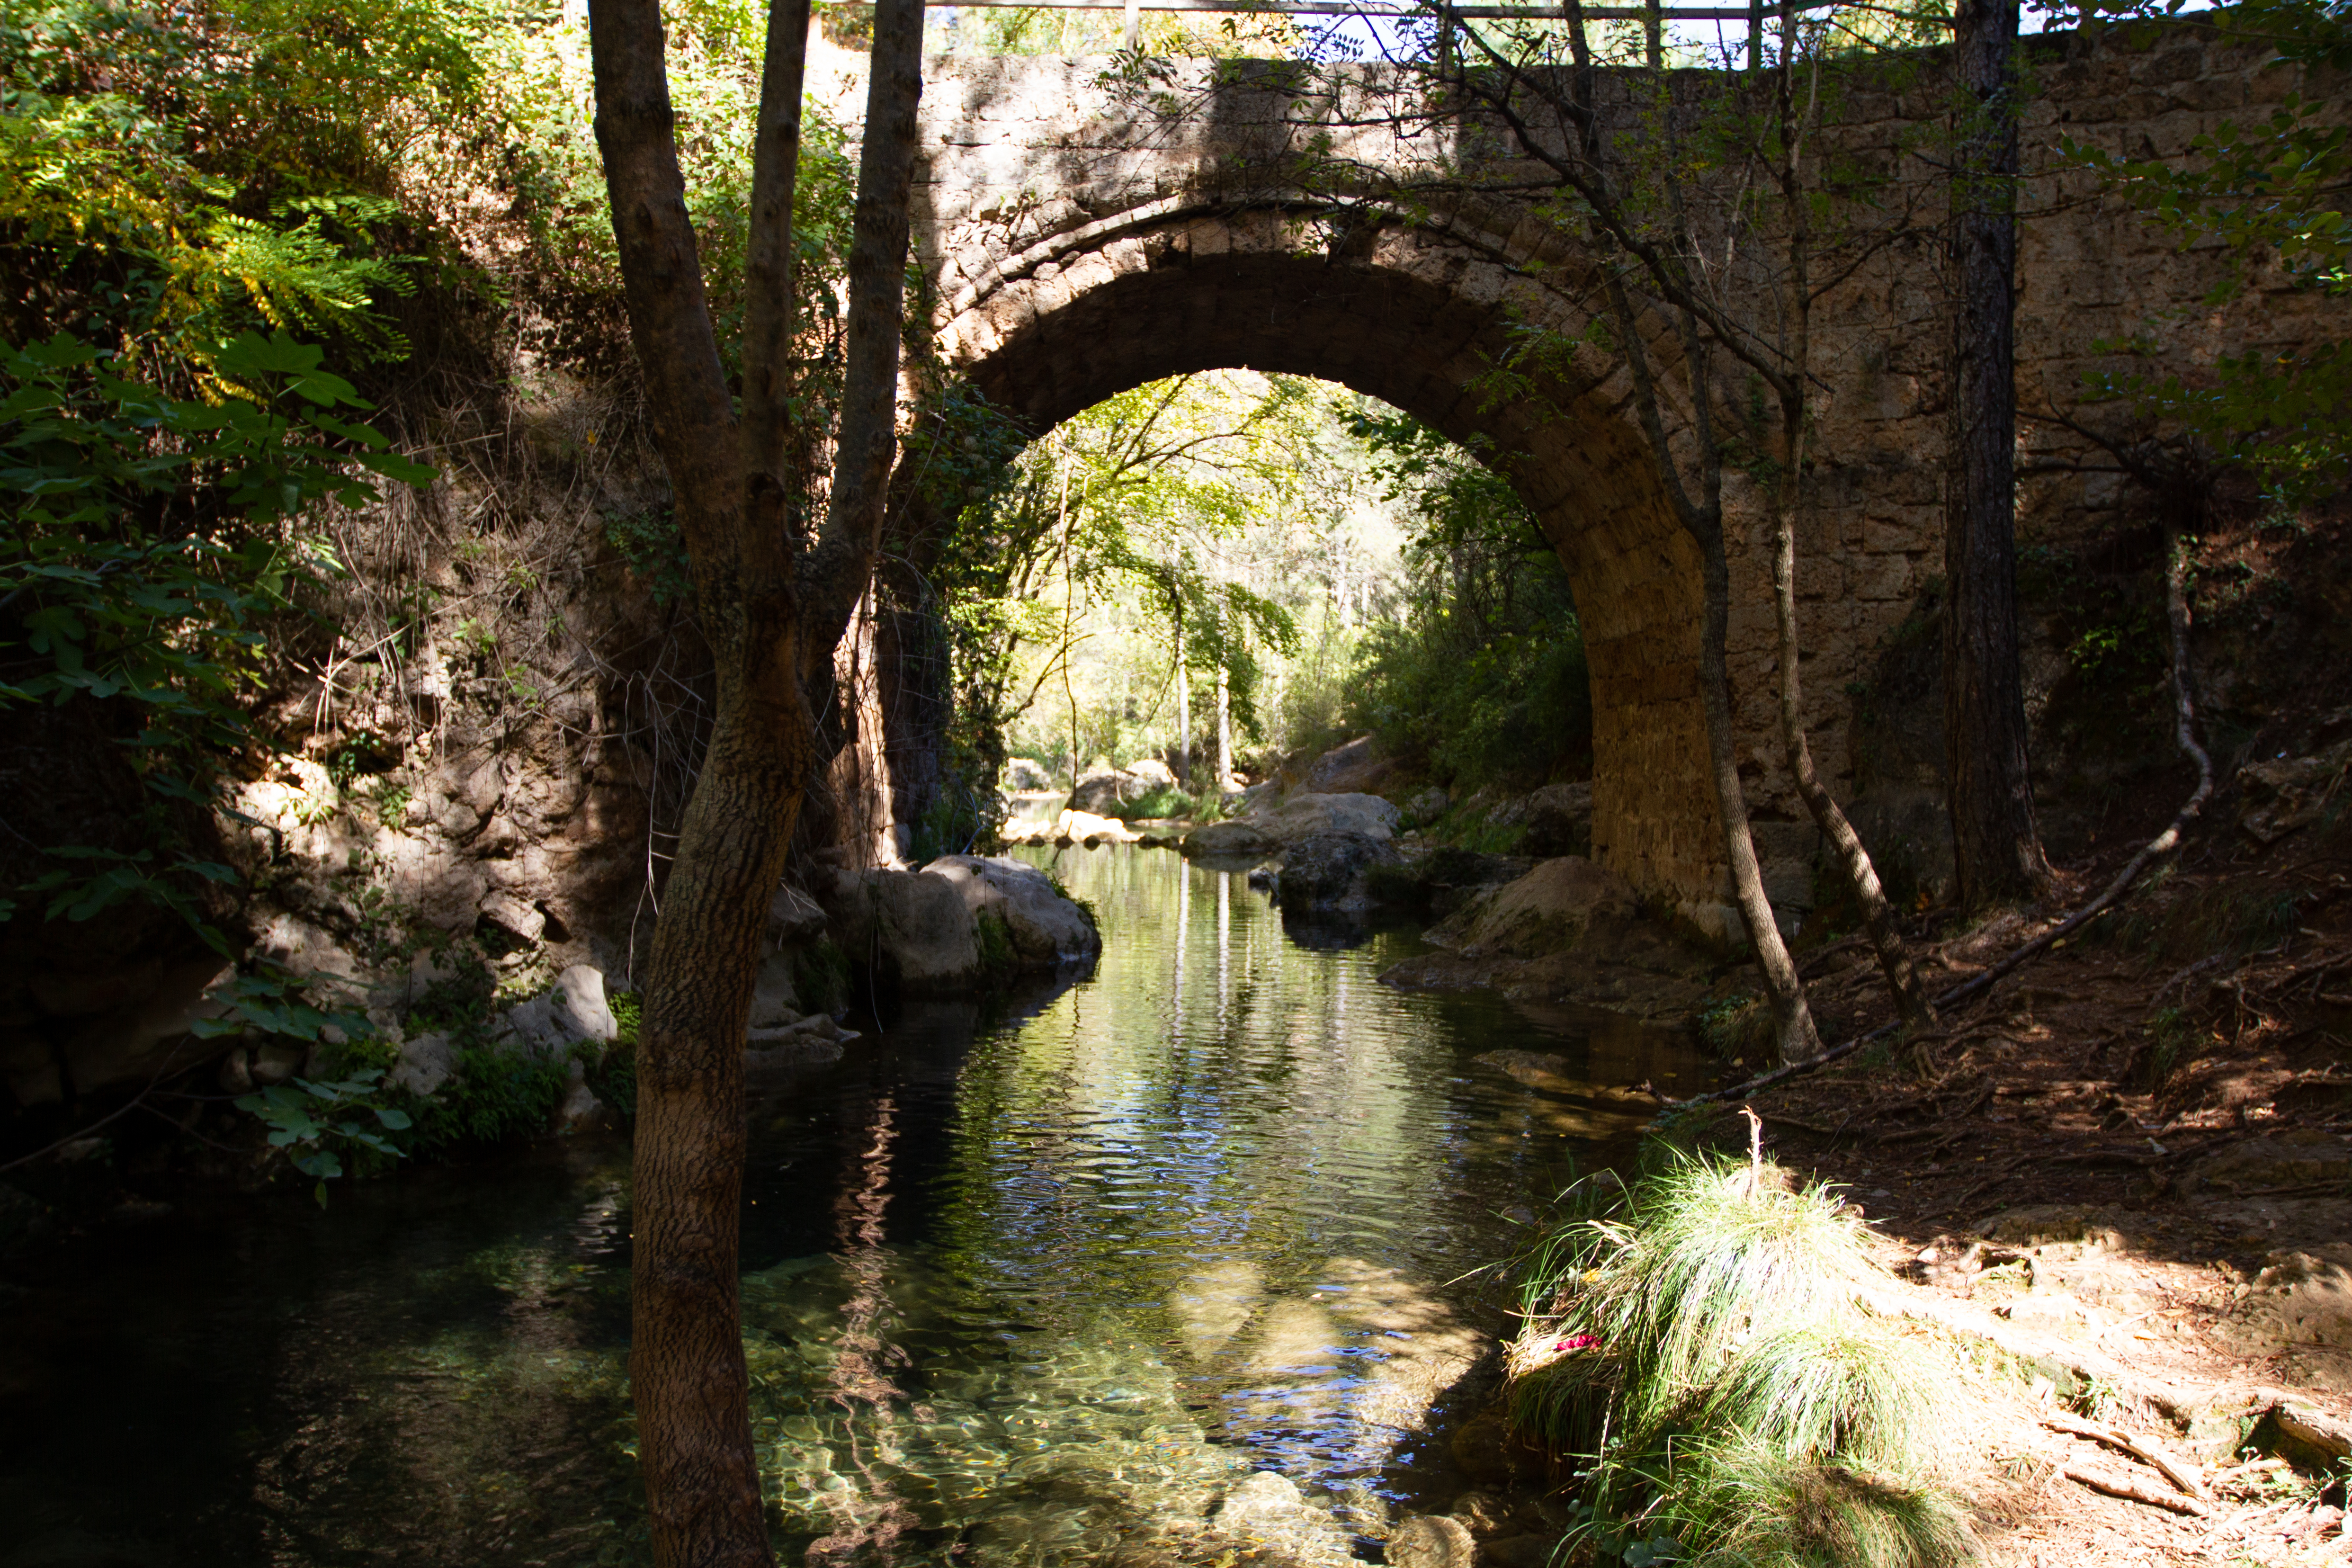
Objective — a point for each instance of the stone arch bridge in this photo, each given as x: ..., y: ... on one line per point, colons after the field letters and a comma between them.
x: 1079, y: 247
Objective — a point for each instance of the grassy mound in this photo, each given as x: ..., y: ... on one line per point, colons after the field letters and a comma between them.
x: 1696, y: 1347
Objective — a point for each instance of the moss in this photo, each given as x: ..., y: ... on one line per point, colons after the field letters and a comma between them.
x: 821, y: 976
x: 998, y: 961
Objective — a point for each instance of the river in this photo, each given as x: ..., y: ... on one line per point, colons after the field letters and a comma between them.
x: 1025, y: 1280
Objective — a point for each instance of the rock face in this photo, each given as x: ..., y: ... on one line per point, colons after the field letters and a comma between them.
x: 1351, y: 769
x: 1047, y: 930
x: 912, y: 931
x: 1568, y: 930
x: 1328, y: 871
x: 1270, y: 830
x: 1559, y: 820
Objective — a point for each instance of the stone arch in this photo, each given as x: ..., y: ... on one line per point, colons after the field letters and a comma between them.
x: 1417, y: 317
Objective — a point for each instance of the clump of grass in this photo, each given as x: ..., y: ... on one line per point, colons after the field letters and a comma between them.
x: 1752, y: 1507
x: 1697, y: 1344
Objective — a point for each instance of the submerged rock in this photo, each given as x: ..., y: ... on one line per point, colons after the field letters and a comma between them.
x: 1432, y: 1542
x: 1046, y: 929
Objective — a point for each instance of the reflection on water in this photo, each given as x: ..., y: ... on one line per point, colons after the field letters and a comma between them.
x: 1017, y: 1290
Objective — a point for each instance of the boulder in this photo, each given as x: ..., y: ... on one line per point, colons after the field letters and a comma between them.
x: 1428, y: 806
x: 1024, y: 776
x: 913, y: 928
x: 1047, y: 930
x: 572, y: 1012
x: 1559, y: 820
x: 1342, y: 770
x: 1568, y: 931
x: 425, y: 1065
x: 794, y: 916
x: 1243, y: 839
x: 1549, y: 910
x: 1327, y: 871
x: 1302, y: 817
x: 1100, y: 790
x: 580, y: 1110
x: 1103, y: 789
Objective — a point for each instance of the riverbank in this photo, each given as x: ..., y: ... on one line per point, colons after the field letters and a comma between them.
x: 2133, y: 1157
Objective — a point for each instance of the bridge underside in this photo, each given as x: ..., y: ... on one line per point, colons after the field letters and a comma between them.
x: 1398, y: 323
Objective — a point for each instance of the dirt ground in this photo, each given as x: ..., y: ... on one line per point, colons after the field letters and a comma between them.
x: 2130, y: 1164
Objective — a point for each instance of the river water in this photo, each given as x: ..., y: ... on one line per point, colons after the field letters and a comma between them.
x: 1024, y: 1282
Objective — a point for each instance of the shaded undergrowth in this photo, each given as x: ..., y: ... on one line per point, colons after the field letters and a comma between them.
x: 1698, y: 1352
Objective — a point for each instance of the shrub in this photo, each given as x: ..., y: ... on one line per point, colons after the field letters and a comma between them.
x: 1699, y: 1341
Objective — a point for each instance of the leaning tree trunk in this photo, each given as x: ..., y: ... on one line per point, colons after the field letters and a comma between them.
x: 772, y: 612
x: 1995, y: 847
x: 1878, y: 918
x: 1784, y: 991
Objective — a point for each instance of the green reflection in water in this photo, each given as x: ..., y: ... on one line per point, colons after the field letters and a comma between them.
x: 1015, y: 1294
x: 1195, y: 1218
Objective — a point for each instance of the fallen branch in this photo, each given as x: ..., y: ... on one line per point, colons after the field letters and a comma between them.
x: 2131, y: 1490
x: 2164, y: 843
x: 2182, y: 1476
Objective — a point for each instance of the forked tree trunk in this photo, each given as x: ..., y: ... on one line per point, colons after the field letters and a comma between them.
x: 1996, y: 846
x: 772, y: 612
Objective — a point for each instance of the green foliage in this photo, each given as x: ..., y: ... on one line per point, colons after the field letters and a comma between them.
x: 1698, y: 1342
x: 654, y: 545
x: 149, y: 543
x: 1482, y: 675
x: 318, y: 1124
x: 1737, y: 1026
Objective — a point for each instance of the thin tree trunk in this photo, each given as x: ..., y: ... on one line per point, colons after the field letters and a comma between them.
x: 1183, y: 715
x: 1878, y: 918
x: 1854, y: 858
x: 769, y: 613
x: 1784, y: 990
x: 1225, y: 733
x: 1995, y: 844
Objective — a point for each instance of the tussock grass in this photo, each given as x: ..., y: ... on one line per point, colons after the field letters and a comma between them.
x: 1698, y: 1347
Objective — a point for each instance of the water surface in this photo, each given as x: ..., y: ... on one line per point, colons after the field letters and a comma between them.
x: 1021, y: 1282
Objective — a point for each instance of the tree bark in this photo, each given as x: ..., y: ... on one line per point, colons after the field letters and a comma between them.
x: 1784, y: 990
x: 1996, y: 846
x: 769, y: 612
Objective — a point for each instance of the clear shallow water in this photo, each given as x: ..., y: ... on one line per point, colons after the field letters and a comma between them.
x: 1020, y: 1285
